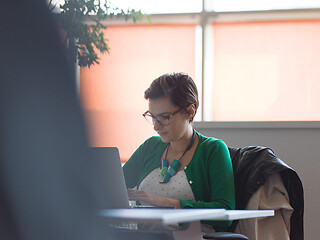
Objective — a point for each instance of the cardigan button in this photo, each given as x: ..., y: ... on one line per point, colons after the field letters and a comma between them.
x: 190, y: 182
x: 185, y: 167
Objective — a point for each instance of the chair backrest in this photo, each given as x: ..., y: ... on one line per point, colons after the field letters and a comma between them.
x: 252, y: 166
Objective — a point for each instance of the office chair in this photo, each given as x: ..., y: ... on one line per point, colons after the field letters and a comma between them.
x: 252, y: 167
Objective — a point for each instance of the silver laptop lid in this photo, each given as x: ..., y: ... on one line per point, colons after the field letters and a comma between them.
x: 109, y: 184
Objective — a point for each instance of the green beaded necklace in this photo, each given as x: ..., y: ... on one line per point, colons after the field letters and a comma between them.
x: 168, y: 171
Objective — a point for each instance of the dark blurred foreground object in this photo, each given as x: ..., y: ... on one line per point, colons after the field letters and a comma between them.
x: 45, y: 176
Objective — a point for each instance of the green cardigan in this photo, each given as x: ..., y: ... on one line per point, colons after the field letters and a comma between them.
x: 209, y: 173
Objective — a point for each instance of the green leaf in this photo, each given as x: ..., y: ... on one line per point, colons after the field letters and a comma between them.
x: 84, y: 42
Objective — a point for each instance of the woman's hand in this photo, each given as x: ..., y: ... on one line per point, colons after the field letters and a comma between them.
x: 152, y: 199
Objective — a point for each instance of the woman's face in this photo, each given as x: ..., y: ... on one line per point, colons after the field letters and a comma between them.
x: 178, y: 124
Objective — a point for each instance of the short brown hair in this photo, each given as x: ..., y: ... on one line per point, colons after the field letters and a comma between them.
x: 179, y: 87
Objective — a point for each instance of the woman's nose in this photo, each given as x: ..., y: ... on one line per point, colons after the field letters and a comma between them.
x: 156, y: 125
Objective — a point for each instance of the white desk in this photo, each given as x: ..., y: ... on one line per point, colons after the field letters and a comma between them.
x: 163, y: 216
x: 172, y: 216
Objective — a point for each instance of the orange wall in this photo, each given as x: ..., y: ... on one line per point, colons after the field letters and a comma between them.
x: 112, y: 92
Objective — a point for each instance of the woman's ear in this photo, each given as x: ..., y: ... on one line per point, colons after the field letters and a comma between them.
x: 191, y: 111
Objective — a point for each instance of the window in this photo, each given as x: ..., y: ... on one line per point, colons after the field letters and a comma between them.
x: 161, y: 6
x: 112, y: 92
x: 254, y: 5
x: 266, y: 71
x: 249, y: 66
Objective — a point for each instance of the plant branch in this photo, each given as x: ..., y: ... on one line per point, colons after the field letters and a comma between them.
x: 86, y: 41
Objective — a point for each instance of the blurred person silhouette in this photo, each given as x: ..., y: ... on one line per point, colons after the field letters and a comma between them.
x: 45, y: 176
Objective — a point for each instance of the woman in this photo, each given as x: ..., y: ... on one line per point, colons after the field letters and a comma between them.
x: 179, y: 168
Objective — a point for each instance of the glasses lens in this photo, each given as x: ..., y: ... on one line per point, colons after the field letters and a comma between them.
x: 164, y: 121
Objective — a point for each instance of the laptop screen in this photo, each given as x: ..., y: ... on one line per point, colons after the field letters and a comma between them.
x: 109, y: 184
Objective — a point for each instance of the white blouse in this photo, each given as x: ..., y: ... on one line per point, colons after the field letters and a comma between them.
x: 177, y: 188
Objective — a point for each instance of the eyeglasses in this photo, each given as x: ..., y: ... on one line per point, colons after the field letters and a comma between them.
x: 161, y: 119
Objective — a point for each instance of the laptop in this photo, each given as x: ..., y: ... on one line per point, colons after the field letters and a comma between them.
x: 109, y: 185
